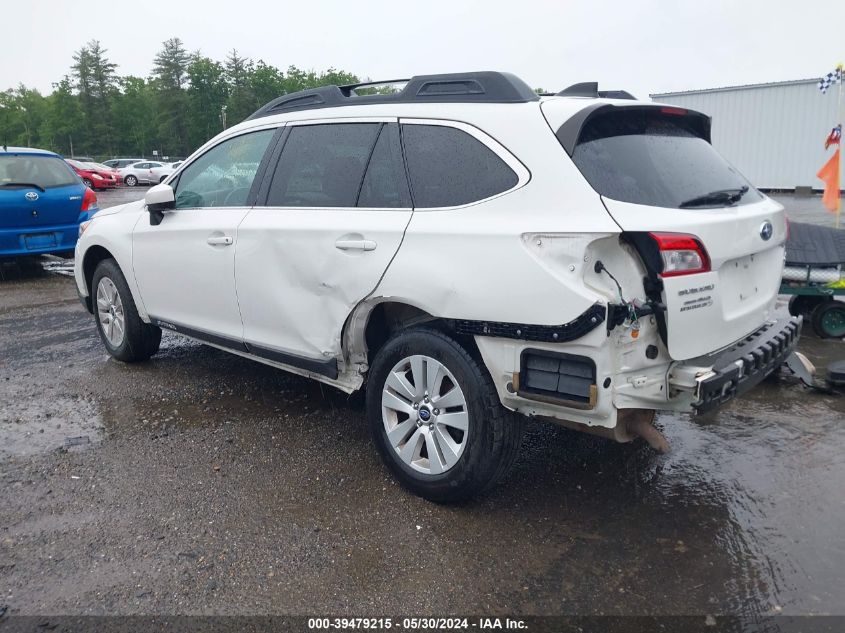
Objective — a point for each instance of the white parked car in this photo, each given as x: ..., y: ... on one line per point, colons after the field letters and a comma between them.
x: 160, y: 174
x: 140, y: 173
x: 465, y: 250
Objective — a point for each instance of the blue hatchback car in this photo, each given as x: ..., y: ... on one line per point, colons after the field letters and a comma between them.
x: 42, y: 203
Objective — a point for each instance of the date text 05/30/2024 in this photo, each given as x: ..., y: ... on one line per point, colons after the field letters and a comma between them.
x: 416, y: 624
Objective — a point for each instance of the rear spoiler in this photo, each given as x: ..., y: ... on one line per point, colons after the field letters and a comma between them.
x: 569, y: 133
x: 591, y: 89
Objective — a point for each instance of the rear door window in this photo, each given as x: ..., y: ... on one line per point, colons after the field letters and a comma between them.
x: 449, y: 167
x: 22, y: 170
x: 323, y: 166
x: 648, y: 157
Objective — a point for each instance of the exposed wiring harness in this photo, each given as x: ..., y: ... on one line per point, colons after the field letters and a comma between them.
x: 631, y: 307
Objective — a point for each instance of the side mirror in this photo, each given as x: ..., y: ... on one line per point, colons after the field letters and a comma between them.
x: 158, y: 200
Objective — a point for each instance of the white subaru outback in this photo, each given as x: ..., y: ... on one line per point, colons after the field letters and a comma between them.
x: 466, y: 249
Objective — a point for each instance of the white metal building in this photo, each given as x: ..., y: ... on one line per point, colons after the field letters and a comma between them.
x: 773, y: 133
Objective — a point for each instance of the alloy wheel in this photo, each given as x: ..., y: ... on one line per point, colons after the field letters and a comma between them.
x: 425, y: 415
x: 110, y: 312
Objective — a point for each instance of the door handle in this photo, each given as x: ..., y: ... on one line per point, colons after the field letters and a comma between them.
x: 223, y: 240
x: 355, y: 245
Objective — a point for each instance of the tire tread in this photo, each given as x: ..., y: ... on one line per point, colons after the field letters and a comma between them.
x: 141, y: 340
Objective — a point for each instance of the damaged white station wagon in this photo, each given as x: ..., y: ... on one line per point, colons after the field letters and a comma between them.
x: 467, y: 250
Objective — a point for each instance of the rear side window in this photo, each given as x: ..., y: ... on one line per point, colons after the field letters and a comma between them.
x: 21, y: 170
x: 651, y: 158
x: 449, y: 167
x: 323, y: 165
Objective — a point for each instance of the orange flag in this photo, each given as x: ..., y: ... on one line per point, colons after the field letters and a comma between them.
x: 830, y: 175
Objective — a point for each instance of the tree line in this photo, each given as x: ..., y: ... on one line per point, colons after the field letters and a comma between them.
x: 188, y: 98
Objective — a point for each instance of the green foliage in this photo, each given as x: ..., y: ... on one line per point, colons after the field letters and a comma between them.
x: 183, y: 103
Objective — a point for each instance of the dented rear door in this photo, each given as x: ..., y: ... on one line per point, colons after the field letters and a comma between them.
x: 330, y: 218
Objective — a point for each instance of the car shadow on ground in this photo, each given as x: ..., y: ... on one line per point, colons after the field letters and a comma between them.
x: 22, y: 269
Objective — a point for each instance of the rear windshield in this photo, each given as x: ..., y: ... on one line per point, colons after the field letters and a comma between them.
x: 42, y: 171
x: 652, y: 158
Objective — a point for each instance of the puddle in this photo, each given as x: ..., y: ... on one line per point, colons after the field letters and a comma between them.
x: 29, y: 427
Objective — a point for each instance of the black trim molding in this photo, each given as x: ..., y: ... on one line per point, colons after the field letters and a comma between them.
x: 324, y: 367
x: 578, y: 327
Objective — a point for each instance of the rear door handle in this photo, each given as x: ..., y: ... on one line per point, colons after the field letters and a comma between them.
x: 223, y: 240
x: 355, y: 245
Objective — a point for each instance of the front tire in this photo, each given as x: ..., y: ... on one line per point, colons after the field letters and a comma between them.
x: 122, y: 331
x: 436, y: 418
x: 130, y: 181
x: 88, y: 183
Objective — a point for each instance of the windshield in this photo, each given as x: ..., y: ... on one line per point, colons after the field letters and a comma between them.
x: 41, y: 171
x: 645, y: 156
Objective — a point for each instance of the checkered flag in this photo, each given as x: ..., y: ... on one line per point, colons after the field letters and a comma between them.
x: 830, y: 78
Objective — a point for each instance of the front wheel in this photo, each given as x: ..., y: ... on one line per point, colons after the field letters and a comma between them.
x: 436, y: 418
x: 130, y: 181
x: 87, y: 183
x: 122, y: 331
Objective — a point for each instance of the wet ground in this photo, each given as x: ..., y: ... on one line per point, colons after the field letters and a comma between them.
x: 204, y: 483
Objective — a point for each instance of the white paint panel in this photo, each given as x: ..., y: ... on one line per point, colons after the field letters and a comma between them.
x: 773, y: 133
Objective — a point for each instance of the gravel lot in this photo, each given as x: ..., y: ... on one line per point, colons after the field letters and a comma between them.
x: 204, y: 483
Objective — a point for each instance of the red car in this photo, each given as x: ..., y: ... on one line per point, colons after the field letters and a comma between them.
x: 94, y: 175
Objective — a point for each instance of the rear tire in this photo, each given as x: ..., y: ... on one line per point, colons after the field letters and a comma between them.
x: 130, y: 181
x: 445, y: 453
x: 829, y: 319
x: 122, y: 331
x: 88, y: 183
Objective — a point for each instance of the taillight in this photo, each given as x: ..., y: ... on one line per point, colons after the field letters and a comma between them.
x: 786, y: 221
x: 681, y: 254
x: 89, y: 200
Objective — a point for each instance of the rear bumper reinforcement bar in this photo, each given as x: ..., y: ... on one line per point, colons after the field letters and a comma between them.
x: 745, y: 364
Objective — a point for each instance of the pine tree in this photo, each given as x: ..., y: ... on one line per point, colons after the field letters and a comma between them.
x: 95, y: 81
x: 242, y: 101
x: 170, y: 74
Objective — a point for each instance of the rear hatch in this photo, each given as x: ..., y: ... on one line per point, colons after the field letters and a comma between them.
x: 38, y: 191
x: 713, y: 244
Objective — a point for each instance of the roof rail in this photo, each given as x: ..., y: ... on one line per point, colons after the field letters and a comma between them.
x: 475, y: 87
x: 350, y: 89
x: 591, y: 89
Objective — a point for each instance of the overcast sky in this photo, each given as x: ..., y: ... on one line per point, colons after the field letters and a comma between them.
x: 644, y: 46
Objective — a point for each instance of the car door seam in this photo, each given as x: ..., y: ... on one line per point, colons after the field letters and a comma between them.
x: 235, y: 271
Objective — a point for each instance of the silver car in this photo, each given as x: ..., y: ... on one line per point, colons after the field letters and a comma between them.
x: 120, y: 163
x: 160, y: 174
x: 140, y: 173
